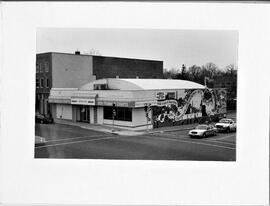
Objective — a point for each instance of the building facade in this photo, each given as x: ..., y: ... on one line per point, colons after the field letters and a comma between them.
x: 136, y: 104
x: 229, y: 82
x: 60, y: 70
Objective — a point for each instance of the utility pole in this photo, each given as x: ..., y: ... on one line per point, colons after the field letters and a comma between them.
x: 147, y: 109
x: 113, y: 114
x: 205, y: 78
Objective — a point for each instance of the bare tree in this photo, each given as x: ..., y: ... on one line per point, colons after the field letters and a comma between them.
x: 231, y: 69
x: 210, y: 70
x: 194, y: 73
x: 170, y: 74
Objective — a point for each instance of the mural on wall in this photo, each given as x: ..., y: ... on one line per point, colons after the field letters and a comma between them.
x: 187, y: 104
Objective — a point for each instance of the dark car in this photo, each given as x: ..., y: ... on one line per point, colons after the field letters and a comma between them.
x: 42, y: 119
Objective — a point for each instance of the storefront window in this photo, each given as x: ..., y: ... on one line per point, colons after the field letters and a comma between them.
x: 37, y: 67
x: 47, y: 83
x: 41, y: 83
x: 46, y: 66
x: 122, y: 113
x: 37, y: 83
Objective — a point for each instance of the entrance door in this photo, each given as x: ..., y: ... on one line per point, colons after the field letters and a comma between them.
x: 85, y: 113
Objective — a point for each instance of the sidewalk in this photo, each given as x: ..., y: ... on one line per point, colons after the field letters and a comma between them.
x: 127, y: 132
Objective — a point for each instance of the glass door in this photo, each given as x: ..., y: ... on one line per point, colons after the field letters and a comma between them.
x: 85, y: 113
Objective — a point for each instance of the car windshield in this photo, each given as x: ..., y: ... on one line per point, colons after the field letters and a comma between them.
x: 224, y: 121
x: 202, y: 127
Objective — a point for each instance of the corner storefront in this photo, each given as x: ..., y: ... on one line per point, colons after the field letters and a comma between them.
x: 136, y: 103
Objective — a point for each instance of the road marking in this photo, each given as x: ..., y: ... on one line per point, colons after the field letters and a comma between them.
x: 217, y: 140
x: 191, y: 142
x: 206, y: 140
x: 57, y: 140
x: 74, y: 142
x: 226, y: 137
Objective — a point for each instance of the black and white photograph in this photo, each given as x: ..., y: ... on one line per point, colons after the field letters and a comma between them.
x: 134, y: 103
x: 136, y: 94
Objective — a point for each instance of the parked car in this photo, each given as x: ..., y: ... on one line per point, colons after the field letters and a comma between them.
x: 39, y: 141
x: 203, y: 130
x: 39, y: 118
x: 226, y: 125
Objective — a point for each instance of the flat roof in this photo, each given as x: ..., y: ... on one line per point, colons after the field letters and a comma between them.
x: 99, y: 56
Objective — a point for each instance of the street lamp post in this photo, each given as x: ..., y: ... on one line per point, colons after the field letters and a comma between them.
x: 113, y: 114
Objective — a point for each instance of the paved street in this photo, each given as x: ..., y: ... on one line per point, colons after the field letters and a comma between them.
x: 74, y: 142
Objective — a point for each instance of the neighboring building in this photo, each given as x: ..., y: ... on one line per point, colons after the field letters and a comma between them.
x: 111, y: 67
x: 229, y: 82
x: 167, y: 101
x: 61, y: 70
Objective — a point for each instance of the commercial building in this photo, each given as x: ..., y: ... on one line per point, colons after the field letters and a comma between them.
x: 139, y: 103
x: 229, y: 82
x: 61, y: 70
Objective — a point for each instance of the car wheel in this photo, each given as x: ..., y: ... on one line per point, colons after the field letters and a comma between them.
x: 41, y: 121
x: 215, y: 134
x: 204, y: 135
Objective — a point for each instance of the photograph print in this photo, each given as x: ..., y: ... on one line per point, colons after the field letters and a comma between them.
x: 136, y: 94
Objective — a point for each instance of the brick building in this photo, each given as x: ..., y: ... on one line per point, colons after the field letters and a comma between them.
x: 62, y: 70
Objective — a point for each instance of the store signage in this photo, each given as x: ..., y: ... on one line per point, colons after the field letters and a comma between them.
x: 166, y: 102
x: 118, y: 104
x: 145, y: 103
x: 83, y: 101
x: 160, y: 95
x: 122, y: 104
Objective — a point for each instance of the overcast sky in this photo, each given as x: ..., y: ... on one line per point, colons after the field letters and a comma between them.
x: 173, y: 47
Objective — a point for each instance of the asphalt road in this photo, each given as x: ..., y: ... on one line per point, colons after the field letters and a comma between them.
x: 73, y: 142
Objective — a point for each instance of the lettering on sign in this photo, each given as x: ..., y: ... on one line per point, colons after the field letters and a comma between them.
x: 166, y: 102
x: 161, y: 95
x: 145, y: 103
x: 83, y: 101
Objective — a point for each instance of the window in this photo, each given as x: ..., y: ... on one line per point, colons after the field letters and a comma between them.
x: 37, y: 67
x: 37, y: 83
x: 42, y: 67
x: 41, y: 83
x: 122, y: 113
x: 47, y: 83
x: 170, y: 95
x: 46, y: 65
x: 100, y: 86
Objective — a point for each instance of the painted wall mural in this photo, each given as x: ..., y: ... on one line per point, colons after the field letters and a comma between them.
x: 179, y: 105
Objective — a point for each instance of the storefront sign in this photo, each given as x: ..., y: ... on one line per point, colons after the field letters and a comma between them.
x: 59, y: 101
x: 166, y: 102
x: 118, y: 104
x: 160, y: 95
x: 83, y: 101
x: 144, y: 103
x: 122, y: 104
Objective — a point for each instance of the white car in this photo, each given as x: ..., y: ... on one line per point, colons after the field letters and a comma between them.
x: 227, y: 125
x: 39, y: 141
x: 202, y: 130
